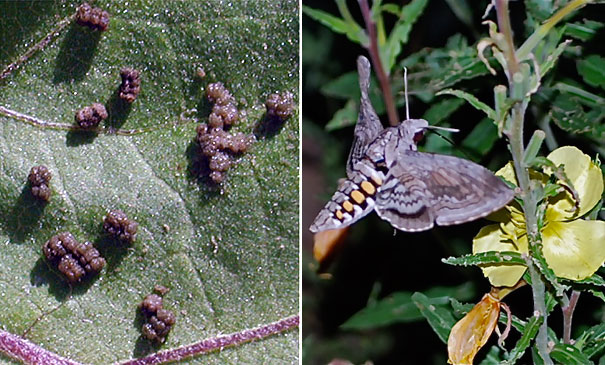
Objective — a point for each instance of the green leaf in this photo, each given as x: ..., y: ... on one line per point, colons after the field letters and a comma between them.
x: 484, y: 258
x: 349, y: 28
x: 442, y: 110
x: 481, y: 139
x: 462, y: 10
x: 529, y: 333
x: 399, y: 307
x: 440, y: 318
x: 568, y: 354
x: 471, y: 99
x: 593, y: 343
x: 229, y: 255
x: 592, y: 70
x: 583, y: 31
x: 401, y: 31
x: 345, y: 117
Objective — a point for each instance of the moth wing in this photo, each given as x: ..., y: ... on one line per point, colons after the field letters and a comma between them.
x: 401, y: 201
x: 452, y: 189
x: 368, y: 125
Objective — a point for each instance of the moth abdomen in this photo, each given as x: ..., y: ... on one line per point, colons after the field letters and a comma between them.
x: 354, y: 199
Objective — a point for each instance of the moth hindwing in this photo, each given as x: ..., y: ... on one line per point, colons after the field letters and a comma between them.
x: 411, y: 190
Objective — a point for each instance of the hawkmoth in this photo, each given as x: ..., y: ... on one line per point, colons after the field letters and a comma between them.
x: 411, y: 190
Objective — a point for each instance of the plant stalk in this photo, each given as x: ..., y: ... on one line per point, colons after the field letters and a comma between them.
x: 568, y: 316
x: 383, y: 79
x: 515, y: 137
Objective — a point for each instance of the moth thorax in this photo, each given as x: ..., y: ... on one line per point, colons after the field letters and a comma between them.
x: 412, y: 130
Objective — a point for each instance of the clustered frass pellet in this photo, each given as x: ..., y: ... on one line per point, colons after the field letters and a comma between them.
x: 219, y: 146
x: 94, y: 18
x: 280, y: 106
x: 131, y: 84
x: 158, y: 321
x: 39, y: 178
x: 117, y: 224
x: 73, y: 259
x: 91, y: 116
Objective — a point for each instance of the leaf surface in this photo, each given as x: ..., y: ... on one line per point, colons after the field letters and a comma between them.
x: 229, y: 255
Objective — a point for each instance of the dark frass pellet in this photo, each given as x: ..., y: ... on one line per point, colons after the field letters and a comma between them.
x: 91, y: 116
x: 93, y: 18
x: 117, y: 224
x: 280, y: 106
x: 158, y: 321
x: 73, y: 259
x: 131, y: 84
x: 39, y: 178
x: 219, y: 147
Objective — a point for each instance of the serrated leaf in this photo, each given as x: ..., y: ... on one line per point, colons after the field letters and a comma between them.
x: 592, y: 70
x: 594, y: 343
x: 439, y: 317
x: 484, y: 258
x: 399, y: 307
x: 400, y: 32
x: 568, y: 354
x: 442, y: 110
x: 351, y: 30
x: 471, y: 99
x: 230, y: 257
x: 529, y: 333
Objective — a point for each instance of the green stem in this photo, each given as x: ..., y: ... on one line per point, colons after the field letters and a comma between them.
x: 515, y: 137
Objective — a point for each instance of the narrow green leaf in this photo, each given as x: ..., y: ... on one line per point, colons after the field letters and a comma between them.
x: 547, y: 272
x: 462, y: 10
x: 568, y: 354
x: 353, y: 31
x: 484, y: 258
x: 345, y: 117
x: 552, y: 59
x: 399, y: 307
x: 583, y: 31
x: 439, y: 317
x: 471, y: 99
x: 401, y: 31
x: 592, y: 70
x: 533, y: 147
x: 493, y: 356
x: 594, y: 342
x: 528, y: 334
x: 440, y: 111
x: 481, y: 139
x: 345, y: 86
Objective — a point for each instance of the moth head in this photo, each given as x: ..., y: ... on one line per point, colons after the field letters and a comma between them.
x: 413, y: 129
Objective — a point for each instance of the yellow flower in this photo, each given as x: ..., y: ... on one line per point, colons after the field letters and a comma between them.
x: 573, y: 248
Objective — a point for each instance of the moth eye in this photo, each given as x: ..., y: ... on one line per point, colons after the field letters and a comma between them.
x: 418, y: 136
x: 93, y: 18
x: 73, y: 259
x: 131, y: 84
x: 280, y: 106
x: 158, y: 321
x: 39, y: 179
x: 117, y: 224
x: 91, y: 116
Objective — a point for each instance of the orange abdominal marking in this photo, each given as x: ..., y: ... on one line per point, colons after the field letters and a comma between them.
x: 368, y: 187
x: 358, y: 196
x: 347, y: 206
x: 339, y: 214
x: 377, y: 180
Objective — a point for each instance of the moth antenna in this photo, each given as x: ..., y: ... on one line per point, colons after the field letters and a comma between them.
x: 405, y: 92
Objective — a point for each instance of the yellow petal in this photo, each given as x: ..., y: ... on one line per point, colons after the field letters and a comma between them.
x: 473, y: 330
x: 586, y: 178
x: 574, y: 250
x: 492, y: 238
x: 508, y: 173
